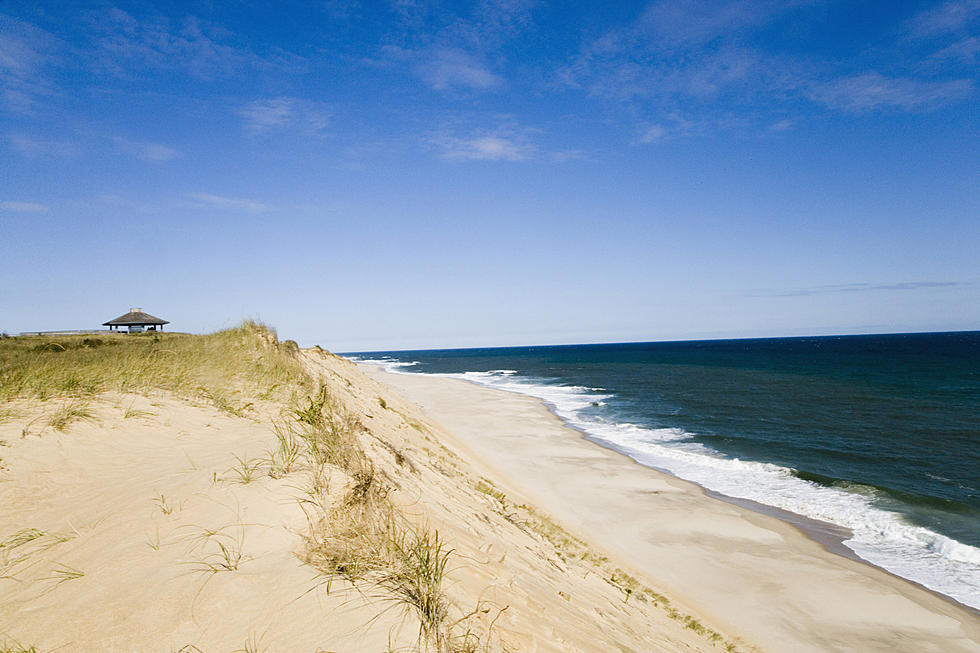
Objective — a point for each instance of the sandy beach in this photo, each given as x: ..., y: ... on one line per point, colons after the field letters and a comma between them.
x: 163, y: 523
x: 300, y: 502
x: 748, y: 574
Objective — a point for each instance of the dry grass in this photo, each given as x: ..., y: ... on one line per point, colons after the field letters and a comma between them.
x: 414, y: 581
x: 23, y: 545
x: 72, y: 410
x: 357, y: 536
x: 223, y: 548
x: 211, y: 367
x: 13, y: 646
x: 286, y: 458
x: 64, y: 573
x: 246, y: 469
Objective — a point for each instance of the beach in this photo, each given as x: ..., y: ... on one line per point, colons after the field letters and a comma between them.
x: 250, y: 496
x: 748, y: 573
x: 159, y: 521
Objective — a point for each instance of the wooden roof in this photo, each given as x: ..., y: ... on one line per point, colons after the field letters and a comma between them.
x: 134, y: 317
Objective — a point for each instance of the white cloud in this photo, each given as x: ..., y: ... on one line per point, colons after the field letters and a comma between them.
x: 127, y: 44
x: 24, y: 207
x: 25, y: 53
x: 781, y: 125
x: 948, y: 18
x: 231, y: 203
x: 42, y: 148
x: 965, y: 51
x: 871, y: 90
x: 653, y: 134
x: 145, y: 150
x: 485, y: 147
x: 445, y: 69
x: 156, y: 152
x: 694, y: 22
x: 285, y: 112
x: 674, y: 124
x: 561, y: 156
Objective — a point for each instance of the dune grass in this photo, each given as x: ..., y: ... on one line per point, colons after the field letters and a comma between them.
x: 223, y: 368
x: 356, y: 535
x: 10, y: 646
x: 21, y: 546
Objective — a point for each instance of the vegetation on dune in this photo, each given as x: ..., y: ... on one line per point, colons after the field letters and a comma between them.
x: 16, y: 647
x: 356, y: 536
x: 222, y: 368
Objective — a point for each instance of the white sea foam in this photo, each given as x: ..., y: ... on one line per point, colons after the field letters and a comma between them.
x: 881, y: 537
x: 387, y: 363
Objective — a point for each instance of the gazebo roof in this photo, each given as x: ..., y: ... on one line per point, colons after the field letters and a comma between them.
x: 133, y: 317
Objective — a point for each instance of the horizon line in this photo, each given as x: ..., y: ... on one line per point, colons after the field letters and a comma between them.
x: 676, y: 341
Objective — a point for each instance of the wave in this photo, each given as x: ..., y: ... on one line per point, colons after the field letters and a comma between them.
x: 386, y: 363
x: 879, y: 536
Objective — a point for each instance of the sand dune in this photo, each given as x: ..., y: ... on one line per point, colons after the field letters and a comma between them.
x: 140, y: 528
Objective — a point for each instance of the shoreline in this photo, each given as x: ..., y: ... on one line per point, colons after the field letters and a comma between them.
x: 828, y: 535
x: 748, y: 532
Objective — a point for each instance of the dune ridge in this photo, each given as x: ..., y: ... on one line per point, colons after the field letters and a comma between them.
x: 233, y: 493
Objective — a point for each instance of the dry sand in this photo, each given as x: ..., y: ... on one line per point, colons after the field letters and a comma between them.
x: 147, y: 539
x: 750, y: 575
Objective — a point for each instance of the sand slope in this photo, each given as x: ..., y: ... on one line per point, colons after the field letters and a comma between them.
x: 139, y: 534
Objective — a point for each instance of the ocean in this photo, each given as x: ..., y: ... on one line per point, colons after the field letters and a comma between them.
x: 878, y: 434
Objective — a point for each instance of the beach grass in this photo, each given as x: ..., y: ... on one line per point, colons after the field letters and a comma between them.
x: 223, y: 368
x: 16, y: 647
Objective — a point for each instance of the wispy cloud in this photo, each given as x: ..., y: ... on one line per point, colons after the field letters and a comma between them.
x: 873, y: 287
x: 25, y: 53
x: 38, y: 148
x: 156, y: 152
x: 126, y: 43
x: 483, y: 147
x: 965, y: 51
x: 673, y: 125
x: 285, y: 112
x: 950, y: 17
x: 693, y: 57
x: 23, y: 207
x: 147, y: 151
x: 444, y: 69
x: 652, y: 134
x: 676, y: 23
x: 462, y: 51
x: 713, y: 59
x: 871, y: 90
x: 230, y: 203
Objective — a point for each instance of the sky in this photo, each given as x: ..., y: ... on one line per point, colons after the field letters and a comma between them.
x: 401, y: 174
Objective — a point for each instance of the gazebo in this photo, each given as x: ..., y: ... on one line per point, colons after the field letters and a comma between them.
x: 136, y: 321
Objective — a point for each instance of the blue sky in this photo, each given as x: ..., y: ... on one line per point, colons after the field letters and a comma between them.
x: 412, y: 174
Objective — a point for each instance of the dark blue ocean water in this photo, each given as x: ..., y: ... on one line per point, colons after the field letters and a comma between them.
x: 879, y: 434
